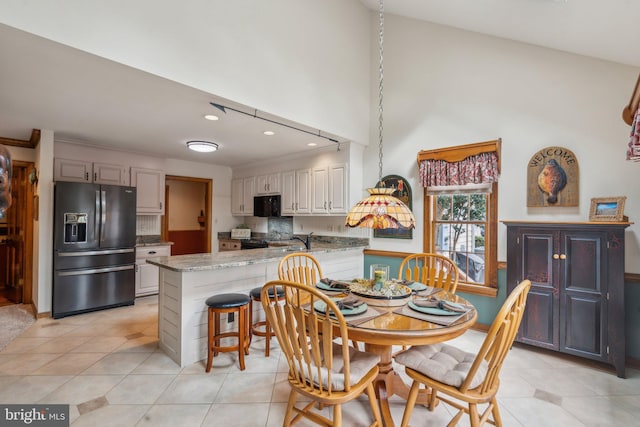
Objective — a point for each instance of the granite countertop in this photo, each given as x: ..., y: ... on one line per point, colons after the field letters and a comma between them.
x: 219, y: 260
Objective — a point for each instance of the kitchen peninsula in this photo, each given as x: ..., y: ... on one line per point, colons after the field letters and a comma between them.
x: 186, y: 281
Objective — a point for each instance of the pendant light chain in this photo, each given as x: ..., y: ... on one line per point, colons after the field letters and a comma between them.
x: 381, y: 210
x: 380, y: 87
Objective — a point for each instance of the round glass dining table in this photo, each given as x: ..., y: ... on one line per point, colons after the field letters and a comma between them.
x: 381, y: 333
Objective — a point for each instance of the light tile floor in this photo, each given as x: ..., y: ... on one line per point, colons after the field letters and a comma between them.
x: 108, y: 367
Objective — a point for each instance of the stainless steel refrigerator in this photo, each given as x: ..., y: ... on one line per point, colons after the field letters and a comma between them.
x: 94, y: 247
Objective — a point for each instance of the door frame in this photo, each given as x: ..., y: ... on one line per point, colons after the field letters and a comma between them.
x: 29, y: 218
x: 207, y: 207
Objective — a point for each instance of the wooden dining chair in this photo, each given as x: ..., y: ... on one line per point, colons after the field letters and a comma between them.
x: 312, y: 334
x: 433, y: 270
x: 300, y: 267
x: 469, y: 378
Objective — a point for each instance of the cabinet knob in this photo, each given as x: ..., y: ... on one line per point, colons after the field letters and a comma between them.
x: 563, y: 256
x: 556, y: 256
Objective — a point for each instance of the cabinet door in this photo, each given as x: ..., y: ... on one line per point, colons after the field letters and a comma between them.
x: 533, y: 250
x: 248, y: 192
x: 337, y: 189
x: 237, y: 196
x: 148, y: 279
x: 303, y: 191
x: 583, y: 294
x: 72, y: 170
x: 320, y: 190
x: 149, y: 185
x: 104, y: 173
x: 288, y: 192
x: 268, y: 184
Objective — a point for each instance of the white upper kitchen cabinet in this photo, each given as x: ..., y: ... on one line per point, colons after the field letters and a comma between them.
x: 149, y: 185
x: 329, y: 185
x: 288, y: 193
x: 72, y: 170
x: 296, y: 192
x: 104, y: 173
x: 242, y: 193
x: 320, y: 189
x: 268, y: 184
x: 338, y: 189
x: 87, y: 171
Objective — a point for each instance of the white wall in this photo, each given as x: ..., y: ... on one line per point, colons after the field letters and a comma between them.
x: 446, y: 87
x: 186, y: 201
x: 304, y: 60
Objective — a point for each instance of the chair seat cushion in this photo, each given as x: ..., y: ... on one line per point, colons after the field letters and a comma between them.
x: 360, y: 363
x: 442, y: 362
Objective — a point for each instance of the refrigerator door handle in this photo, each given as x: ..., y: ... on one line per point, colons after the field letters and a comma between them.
x: 103, y: 216
x: 95, y: 270
x: 105, y: 252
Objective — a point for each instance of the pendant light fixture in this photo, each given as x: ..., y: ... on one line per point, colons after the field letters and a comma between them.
x: 380, y: 210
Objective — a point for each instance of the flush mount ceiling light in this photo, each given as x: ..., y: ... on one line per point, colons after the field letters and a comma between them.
x: 202, y: 146
x: 211, y: 117
x: 380, y: 210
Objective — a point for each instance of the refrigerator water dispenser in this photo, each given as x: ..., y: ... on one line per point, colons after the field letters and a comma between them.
x: 75, y: 227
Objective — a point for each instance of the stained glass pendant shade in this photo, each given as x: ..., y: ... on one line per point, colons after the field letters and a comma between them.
x: 381, y: 210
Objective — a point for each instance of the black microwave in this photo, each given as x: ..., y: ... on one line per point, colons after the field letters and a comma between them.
x: 266, y: 205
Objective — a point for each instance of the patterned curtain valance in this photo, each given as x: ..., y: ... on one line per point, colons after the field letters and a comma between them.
x: 468, y: 164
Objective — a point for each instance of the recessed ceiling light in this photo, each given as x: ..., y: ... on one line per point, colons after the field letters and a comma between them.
x: 312, y: 144
x: 211, y: 117
x: 202, y: 146
x: 269, y: 132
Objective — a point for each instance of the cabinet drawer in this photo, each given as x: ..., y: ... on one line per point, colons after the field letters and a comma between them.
x: 228, y: 245
x: 152, y: 251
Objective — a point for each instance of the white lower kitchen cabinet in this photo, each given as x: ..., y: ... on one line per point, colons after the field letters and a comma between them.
x: 147, y: 277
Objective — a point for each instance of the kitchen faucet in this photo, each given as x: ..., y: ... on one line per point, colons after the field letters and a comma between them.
x: 306, y: 241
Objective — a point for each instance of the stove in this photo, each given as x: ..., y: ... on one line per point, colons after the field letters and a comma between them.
x: 253, y: 244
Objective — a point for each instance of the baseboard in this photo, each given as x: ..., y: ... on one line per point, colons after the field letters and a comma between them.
x: 632, y: 362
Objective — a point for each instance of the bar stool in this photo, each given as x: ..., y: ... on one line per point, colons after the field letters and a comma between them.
x: 254, y: 328
x: 228, y: 303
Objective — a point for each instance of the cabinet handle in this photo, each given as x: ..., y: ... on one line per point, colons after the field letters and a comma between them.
x: 329, y: 204
x: 160, y: 205
x: 152, y: 252
x: 556, y: 256
x: 325, y: 205
x: 86, y: 176
x: 95, y: 176
x: 563, y: 256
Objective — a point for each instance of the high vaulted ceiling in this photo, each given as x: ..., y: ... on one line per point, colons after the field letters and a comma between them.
x: 86, y: 98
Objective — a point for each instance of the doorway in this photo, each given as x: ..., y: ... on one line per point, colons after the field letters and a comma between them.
x: 16, y: 238
x: 187, y: 218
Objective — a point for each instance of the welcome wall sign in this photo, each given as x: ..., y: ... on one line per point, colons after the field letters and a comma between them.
x: 553, y: 178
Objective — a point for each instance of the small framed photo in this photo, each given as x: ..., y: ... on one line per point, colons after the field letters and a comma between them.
x: 607, y: 209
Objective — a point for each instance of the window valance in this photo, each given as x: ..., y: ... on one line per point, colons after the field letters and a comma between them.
x: 477, y: 163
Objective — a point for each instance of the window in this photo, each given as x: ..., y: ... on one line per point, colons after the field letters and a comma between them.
x: 461, y: 201
x: 462, y: 227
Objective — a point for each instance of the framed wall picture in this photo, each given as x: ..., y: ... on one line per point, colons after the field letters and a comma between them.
x: 552, y: 178
x: 402, y: 192
x: 607, y: 209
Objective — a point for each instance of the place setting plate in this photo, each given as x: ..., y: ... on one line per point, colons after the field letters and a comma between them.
x: 438, y: 311
x: 321, y: 307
